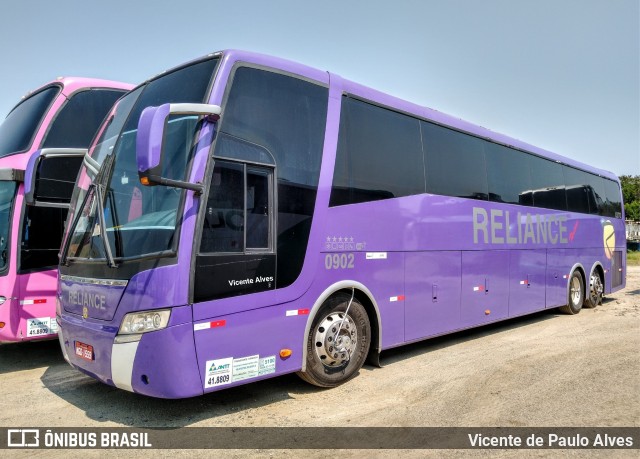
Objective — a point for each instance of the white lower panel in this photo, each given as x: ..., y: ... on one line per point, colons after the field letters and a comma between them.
x: 122, y: 357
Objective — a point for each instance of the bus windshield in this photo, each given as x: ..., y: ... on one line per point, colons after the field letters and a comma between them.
x: 7, y: 192
x: 137, y: 220
x: 18, y: 129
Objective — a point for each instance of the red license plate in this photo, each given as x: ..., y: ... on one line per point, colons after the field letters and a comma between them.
x: 84, y: 351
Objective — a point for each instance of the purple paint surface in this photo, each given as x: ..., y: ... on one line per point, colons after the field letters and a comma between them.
x: 431, y: 264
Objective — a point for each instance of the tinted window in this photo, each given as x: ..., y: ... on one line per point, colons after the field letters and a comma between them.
x: 224, y: 215
x: 579, y: 193
x: 78, y: 120
x: 7, y: 192
x: 42, y: 230
x: 455, y: 163
x: 140, y: 219
x: 613, y: 205
x: 56, y: 178
x: 597, y: 196
x: 547, y: 184
x: 509, y: 175
x: 379, y: 155
x: 20, y: 126
x: 287, y: 117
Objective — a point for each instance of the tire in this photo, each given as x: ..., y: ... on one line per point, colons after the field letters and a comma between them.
x: 596, y: 288
x: 329, y: 365
x: 576, y: 295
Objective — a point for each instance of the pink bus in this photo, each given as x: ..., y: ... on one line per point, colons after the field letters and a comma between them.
x: 43, y: 141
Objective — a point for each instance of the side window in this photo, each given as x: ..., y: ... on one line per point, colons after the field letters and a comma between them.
x: 56, y: 178
x: 238, y: 213
x: 613, y: 205
x: 78, y: 120
x: 597, y: 194
x: 379, y: 155
x: 579, y: 193
x: 455, y: 163
x: 547, y: 184
x: 509, y: 175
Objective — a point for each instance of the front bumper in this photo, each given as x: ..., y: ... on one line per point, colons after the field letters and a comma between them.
x: 161, y: 364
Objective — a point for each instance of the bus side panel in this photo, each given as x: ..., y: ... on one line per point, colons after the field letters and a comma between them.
x: 38, y: 304
x: 237, y: 348
x: 432, y: 284
x: 527, y: 281
x: 484, y: 287
x: 557, y: 278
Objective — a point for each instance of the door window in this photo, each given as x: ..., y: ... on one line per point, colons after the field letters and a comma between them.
x: 239, y: 210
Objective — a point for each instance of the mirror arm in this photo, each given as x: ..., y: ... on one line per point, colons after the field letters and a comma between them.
x: 198, y: 188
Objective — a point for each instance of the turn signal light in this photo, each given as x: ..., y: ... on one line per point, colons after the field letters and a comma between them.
x: 145, y: 181
x: 2, y: 324
x: 285, y: 353
x: 487, y: 312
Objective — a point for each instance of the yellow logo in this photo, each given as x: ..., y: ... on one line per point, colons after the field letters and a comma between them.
x: 85, y: 312
x: 609, y: 238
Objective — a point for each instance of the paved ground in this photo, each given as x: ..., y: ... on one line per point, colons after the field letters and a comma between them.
x: 543, y: 370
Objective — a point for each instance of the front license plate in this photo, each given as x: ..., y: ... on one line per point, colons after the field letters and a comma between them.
x: 84, y: 351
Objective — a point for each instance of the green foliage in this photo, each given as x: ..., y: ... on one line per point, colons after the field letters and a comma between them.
x: 631, y: 195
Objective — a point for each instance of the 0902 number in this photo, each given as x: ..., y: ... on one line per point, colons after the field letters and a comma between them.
x: 339, y: 261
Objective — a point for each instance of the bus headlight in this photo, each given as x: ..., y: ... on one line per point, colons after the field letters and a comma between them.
x: 143, y: 322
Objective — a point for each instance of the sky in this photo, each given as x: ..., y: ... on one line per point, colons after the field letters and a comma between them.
x: 563, y: 75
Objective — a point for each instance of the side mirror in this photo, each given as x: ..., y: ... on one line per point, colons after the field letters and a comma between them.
x: 51, y: 175
x: 150, y: 140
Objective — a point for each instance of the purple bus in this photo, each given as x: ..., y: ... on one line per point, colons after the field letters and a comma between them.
x: 246, y: 217
x: 42, y: 143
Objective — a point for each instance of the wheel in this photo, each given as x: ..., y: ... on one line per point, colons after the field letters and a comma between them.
x: 337, y: 344
x: 576, y: 295
x: 596, y: 288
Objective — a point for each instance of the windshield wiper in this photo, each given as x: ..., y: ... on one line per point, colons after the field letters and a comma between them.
x: 103, y: 229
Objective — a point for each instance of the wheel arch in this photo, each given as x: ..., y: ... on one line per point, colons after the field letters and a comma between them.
x: 362, y: 294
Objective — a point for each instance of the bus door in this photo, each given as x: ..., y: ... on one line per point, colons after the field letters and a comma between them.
x: 237, y: 247
x: 9, y: 182
x: 49, y: 181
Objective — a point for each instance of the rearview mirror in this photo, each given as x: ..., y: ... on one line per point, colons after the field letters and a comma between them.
x: 150, y: 140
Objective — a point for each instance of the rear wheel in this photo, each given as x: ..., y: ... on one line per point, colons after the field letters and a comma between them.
x: 338, y: 342
x: 596, y: 289
x: 576, y: 294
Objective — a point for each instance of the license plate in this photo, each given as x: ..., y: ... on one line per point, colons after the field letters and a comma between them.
x: 84, y: 351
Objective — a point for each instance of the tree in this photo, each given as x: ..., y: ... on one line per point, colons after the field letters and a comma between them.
x: 631, y: 196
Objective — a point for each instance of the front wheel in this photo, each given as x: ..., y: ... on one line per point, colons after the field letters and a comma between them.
x: 596, y: 289
x: 576, y: 295
x: 338, y: 342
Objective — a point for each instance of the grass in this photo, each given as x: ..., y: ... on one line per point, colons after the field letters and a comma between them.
x: 633, y: 258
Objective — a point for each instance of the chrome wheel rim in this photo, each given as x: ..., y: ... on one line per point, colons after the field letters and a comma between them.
x: 334, y: 345
x: 596, y: 288
x: 576, y: 291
